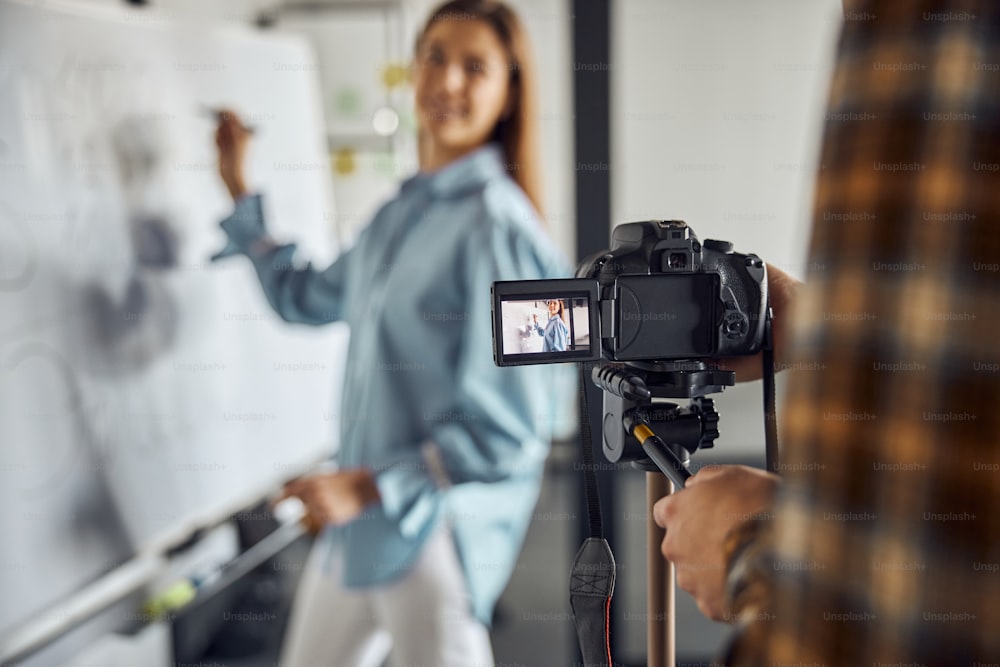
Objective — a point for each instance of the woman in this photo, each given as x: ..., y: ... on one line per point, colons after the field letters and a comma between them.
x: 441, y: 452
x: 555, y: 335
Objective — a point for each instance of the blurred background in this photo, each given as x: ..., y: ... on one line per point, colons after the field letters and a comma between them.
x: 151, y: 403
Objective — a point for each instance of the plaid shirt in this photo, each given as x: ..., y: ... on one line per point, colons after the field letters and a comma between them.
x: 885, y: 546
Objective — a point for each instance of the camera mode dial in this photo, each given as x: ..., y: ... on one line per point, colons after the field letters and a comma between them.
x: 718, y: 246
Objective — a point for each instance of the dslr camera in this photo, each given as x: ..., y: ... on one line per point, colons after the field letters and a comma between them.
x: 664, y: 305
x: 657, y: 297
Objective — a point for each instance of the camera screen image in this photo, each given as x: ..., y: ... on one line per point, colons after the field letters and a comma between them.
x: 533, y: 328
x: 554, y: 325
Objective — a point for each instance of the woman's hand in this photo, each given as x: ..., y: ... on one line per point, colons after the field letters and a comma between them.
x: 333, y: 498
x: 697, y: 520
x: 232, y: 138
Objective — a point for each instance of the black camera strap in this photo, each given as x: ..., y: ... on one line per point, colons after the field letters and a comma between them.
x: 592, y: 580
x: 770, y: 419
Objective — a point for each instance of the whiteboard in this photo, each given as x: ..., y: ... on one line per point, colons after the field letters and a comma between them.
x: 143, y: 390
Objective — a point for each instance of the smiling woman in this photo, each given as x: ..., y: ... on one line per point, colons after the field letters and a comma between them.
x: 423, y: 520
x: 475, y: 82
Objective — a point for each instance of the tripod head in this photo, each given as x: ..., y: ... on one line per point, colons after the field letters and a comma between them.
x: 652, y: 433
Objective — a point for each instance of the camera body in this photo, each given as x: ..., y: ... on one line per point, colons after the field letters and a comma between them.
x: 658, y: 295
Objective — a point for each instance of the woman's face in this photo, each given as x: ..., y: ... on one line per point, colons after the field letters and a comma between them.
x: 553, y: 307
x: 461, y: 84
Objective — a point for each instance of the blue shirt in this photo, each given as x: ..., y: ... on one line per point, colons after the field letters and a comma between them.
x: 555, y: 336
x: 448, y: 435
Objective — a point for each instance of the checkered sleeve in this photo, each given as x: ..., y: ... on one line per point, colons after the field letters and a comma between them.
x: 886, y: 543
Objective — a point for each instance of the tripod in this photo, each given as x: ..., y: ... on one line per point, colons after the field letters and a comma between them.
x: 659, y: 437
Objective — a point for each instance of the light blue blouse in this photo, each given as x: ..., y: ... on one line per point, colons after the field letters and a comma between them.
x: 555, y: 335
x: 449, y: 435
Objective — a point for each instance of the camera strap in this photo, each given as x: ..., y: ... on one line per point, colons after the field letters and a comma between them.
x: 592, y: 580
x: 770, y: 419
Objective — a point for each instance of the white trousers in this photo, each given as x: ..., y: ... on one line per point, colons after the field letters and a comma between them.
x: 422, y: 619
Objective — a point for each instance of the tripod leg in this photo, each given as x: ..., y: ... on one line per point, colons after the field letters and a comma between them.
x: 660, y: 622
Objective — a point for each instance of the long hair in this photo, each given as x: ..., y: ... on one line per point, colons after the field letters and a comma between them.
x: 517, y: 132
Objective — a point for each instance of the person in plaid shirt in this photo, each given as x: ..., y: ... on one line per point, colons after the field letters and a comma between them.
x: 881, y: 544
